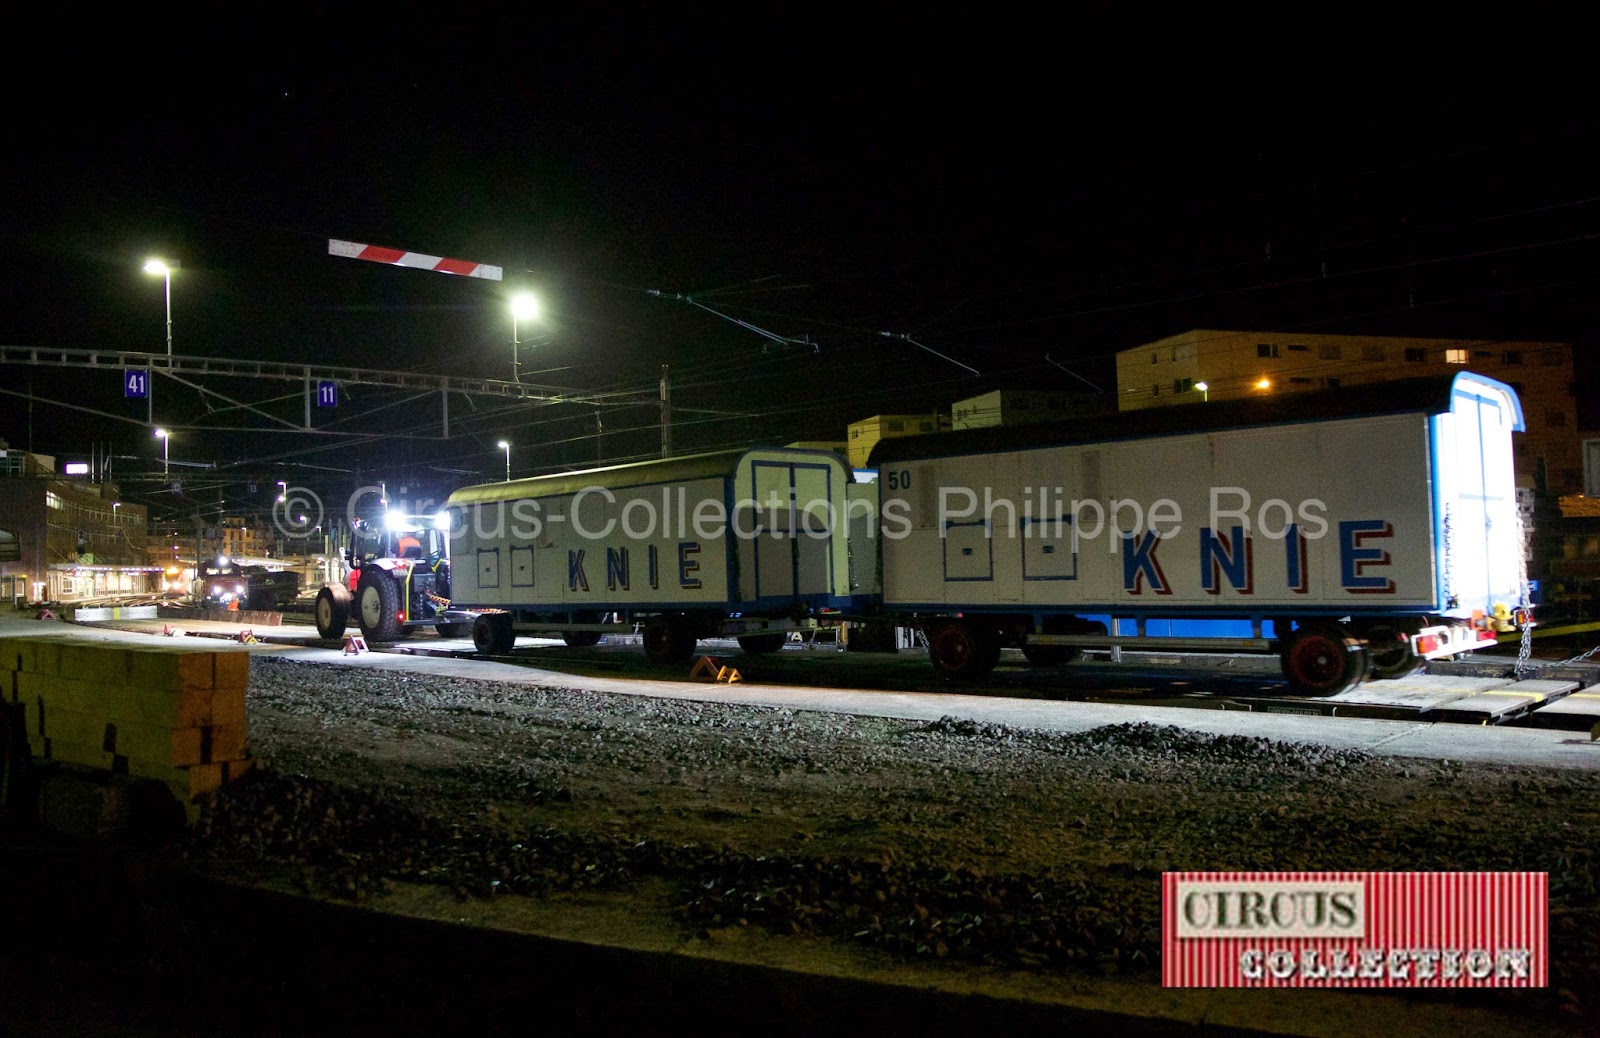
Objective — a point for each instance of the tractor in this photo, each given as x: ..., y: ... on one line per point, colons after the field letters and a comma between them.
x: 397, y: 579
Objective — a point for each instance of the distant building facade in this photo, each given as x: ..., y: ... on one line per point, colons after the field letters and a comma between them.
x: 1203, y: 364
x: 68, y: 538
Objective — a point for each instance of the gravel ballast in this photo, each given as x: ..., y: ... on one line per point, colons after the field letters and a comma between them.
x: 949, y: 840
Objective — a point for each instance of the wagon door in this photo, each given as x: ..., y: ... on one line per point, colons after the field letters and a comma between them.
x: 791, y: 552
x: 1479, y: 531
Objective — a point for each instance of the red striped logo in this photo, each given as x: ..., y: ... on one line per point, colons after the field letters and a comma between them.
x: 1354, y: 929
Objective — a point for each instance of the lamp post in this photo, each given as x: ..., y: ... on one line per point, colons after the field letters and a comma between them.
x: 166, y: 442
x: 1205, y: 391
x: 157, y: 267
x: 523, y: 308
x: 283, y: 491
x: 507, y: 448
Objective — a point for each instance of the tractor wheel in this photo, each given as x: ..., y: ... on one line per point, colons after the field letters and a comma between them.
x: 492, y: 634
x: 756, y: 644
x: 461, y: 630
x: 333, y: 611
x: 963, y: 649
x: 378, y: 606
x: 1323, y: 659
x: 668, y: 639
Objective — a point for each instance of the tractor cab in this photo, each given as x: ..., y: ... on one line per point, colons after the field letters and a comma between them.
x: 398, y: 580
x: 399, y: 537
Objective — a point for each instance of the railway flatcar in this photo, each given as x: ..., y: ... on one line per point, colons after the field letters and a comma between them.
x: 1356, y: 533
x: 747, y: 543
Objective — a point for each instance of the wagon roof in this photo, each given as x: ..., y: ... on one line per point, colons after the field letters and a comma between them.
x: 1428, y: 395
x: 716, y: 464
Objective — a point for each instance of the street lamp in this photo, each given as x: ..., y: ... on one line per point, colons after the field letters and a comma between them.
x: 523, y: 308
x: 166, y: 442
x: 507, y: 448
x: 284, y: 493
x: 1205, y: 391
x: 161, y: 270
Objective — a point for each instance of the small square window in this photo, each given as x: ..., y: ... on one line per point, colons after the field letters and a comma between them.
x: 1416, y: 356
x: 1455, y: 356
x: 1182, y: 385
x: 1373, y: 353
x: 1266, y: 349
x: 1511, y: 357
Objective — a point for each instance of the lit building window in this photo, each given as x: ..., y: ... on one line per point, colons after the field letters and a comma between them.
x: 1455, y: 356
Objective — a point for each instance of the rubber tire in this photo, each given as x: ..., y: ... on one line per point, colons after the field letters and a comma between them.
x: 377, y: 603
x: 492, y: 634
x: 332, y: 611
x: 668, y: 639
x: 461, y: 630
x: 758, y: 644
x: 1391, y: 658
x: 1323, y: 659
x: 962, y: 649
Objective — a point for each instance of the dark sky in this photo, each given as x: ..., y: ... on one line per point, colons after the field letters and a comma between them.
x: 1013, y: 202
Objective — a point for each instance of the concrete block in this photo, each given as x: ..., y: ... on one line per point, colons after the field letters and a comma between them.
x: 232, y: 668
x: 87, y: 755
x: 145, y: 743
x: 16, y: 654
x: 90, y: 662
x: 46, y: 656
x: 228, y: 706
x: 172, y: 667
x: 189, y: 708
x: 225, y: 742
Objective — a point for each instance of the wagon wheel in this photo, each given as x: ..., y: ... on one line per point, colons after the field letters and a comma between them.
x: 1323, y: 659
x: 963, y: 649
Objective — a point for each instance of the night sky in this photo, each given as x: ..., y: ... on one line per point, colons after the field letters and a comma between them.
x: 978, y: 191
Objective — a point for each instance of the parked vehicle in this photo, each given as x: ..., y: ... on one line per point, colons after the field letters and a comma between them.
x: 747, y: 543
x: 1356, y: 533
x: 397, y: 580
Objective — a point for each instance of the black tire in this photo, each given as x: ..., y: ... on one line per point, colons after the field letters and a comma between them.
x: 668, y: 639
x: 492, y: 634
x: 1323, y: 659
x: 460, y: 630
x: 332, y: 611
x: 1390, y: 647
x: 962, y: 649
x: 378, y: 606
x: 757, y: 644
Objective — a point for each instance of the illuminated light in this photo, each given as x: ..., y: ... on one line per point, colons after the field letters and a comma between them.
x: 156, y: 267
x: 77, y: 468
x: 441, y: 520
x: 524, y: 306
x: 394, y: 522
x: 1265, y: 383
